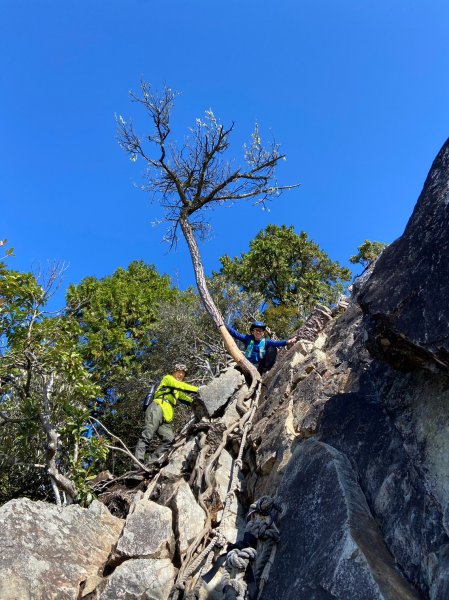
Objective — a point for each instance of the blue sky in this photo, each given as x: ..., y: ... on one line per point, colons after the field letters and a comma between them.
x: 357, y: 93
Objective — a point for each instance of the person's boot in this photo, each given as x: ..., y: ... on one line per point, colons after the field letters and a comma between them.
x: 159, y: 454
x: 140, y: 451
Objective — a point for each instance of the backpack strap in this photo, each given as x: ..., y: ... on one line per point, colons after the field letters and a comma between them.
x: 250, y: 347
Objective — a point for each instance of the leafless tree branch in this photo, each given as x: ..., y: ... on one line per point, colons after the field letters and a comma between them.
x: 196, y: 176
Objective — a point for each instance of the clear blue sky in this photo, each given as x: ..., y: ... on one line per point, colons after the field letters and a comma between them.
x: 357, y: 93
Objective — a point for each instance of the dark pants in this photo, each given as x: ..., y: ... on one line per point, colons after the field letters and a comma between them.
x: 268, y: 360
x: 154, y: 424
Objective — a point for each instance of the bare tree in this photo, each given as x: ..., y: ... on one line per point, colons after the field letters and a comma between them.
x: 186, y: 180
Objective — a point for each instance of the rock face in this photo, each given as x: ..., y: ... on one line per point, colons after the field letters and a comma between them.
x: 46, y: 552
x: 148, y: 532
x: 351, y: 437
x: 372, y: 386
x: 189, y: 517
x: 216, y: 395
x: 235, y: 521
x: 140, y: 578
x: 405, y: 300
x: 318, y: 482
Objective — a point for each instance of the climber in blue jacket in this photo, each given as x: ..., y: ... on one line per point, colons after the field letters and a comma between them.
x: 260, y: 350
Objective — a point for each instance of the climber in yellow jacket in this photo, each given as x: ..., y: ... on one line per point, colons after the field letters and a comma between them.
x: 160, y: 412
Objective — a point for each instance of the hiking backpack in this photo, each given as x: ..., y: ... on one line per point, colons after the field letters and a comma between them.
x: 150, y: 394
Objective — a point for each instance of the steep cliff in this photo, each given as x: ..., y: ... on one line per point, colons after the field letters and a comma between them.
x: 364, y: 433
x: 348, y: 436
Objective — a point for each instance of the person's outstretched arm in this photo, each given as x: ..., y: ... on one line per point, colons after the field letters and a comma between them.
x: 172, y: 382
x: 281, y: 343
x: 236, y: 334
x: 184, y: 397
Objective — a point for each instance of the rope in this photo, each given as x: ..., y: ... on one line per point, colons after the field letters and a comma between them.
x: 232, y: 580
x: 238, y: 463
x: 220, y: 540
x: 261, y: 527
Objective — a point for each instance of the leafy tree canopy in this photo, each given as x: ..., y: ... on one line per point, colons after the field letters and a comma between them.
x: 44, y: 393
x: 289, y: 270
x: 367, y: 253
x: 117, y: 315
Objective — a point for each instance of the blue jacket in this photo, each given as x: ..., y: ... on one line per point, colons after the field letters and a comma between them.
x: 255, y: 355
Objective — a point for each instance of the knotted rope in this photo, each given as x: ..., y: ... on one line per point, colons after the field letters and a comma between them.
x: 262, y: 518
x: 261, y: 530
x: 219, y: 540
x: 232, y: 580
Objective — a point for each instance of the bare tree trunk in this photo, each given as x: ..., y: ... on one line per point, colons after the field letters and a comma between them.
x: 211, y: 308
x: 58, y: 480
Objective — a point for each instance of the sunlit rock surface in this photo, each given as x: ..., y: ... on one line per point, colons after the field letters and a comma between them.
x: 331, y: 545
x: 48, y: 552
x: 148, y: 532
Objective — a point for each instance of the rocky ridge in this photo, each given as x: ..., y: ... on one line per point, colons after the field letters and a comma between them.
x: 349, y: 435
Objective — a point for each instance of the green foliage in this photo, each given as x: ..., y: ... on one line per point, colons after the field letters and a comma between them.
x: 367, y: 253
x: 43, y: 384
x: 282, y: 319
x: 90, y: 453
x: 185, y: 332
x: 116, y: 315
x: 182, y: 332
x: 289, y: 271
x: 237, y: 305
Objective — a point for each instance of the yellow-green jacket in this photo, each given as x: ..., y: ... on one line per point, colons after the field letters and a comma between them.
x: 169, y: 391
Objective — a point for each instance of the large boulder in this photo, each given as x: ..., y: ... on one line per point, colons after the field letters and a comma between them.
x: 140, y: 579
x: 148, y: 532
x: 330, y: 547
x: 48, y: 552
x: 216, y: 394
x: 409, y: 516
x: 392, y: 426
x: 189, y: 516
x: 405, y: 300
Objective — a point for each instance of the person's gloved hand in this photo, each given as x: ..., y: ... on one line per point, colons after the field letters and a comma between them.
x: 291, y: 341
x: 199, y: 409
x: 199, y: 395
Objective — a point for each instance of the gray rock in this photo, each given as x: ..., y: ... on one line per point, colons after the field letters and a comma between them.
x: 232, y: 414
x: 317, y: 321
x: 331, y: 547
x: 148, y: 532
x: 189, y: 516
x: 393, y: 427
x: 405, y: 300
x: 47, y: 552
x: 216, y: 394
x: 234, y: 525
x: 409, y: 517
x: 140, y: 579
x: 180, y: 459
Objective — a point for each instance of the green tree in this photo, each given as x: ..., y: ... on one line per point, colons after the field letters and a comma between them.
x: 118, y: 317
x: 185, y: 331
x: 367, y: 253
x: 290, y: 271
x: 44, y: 393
